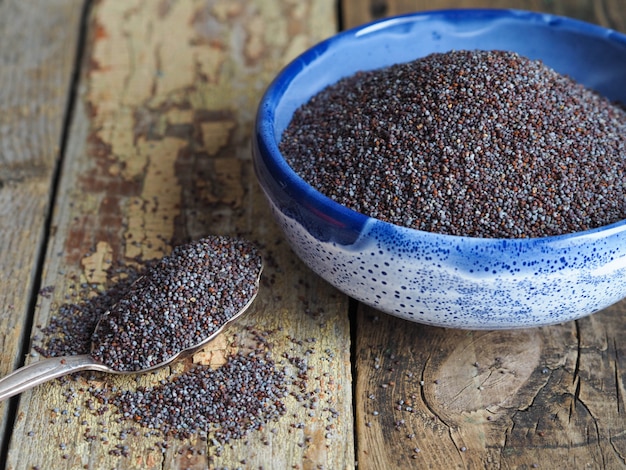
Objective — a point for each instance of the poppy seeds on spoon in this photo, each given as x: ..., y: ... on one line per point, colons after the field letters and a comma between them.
x: 178, y: 303
x: 472, y: 143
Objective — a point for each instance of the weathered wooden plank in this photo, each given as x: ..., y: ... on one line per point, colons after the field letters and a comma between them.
x: 434, y: 398
x: 159, y: 154
x: 610, y: 13
x: 37, y: 55
x: 355, y: 12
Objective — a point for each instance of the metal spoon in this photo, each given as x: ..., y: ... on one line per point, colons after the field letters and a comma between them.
x: 42, y: 371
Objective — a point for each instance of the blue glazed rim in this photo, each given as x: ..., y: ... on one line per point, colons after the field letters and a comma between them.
x: 296, y: 188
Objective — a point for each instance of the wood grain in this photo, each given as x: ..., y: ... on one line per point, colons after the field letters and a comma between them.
x: 435, y: 398
x: 158, y: 155
x: 605, y: 12
x: 545, y: 398
x: 37, y: 55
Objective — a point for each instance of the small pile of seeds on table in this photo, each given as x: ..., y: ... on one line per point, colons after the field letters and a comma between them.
x: 475, y: 143
x: 242, y: 395
x: 214, y: 406
x: 178, y: 303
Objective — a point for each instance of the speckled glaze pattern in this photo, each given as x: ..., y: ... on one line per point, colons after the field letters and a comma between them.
x: 436, y: 279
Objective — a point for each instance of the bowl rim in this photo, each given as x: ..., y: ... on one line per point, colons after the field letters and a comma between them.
x: 266, y: 144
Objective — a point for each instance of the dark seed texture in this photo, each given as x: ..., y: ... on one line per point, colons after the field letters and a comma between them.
x: 178, y: 303
x: 238, y: 397
x: 475, y: 143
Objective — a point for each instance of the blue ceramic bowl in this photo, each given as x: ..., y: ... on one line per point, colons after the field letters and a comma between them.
x: 444, y: 280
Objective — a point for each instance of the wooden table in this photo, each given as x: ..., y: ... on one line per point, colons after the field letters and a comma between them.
x: 124, y: 130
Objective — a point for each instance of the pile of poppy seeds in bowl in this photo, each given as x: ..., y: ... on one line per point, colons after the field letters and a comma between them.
x: 473, y: 143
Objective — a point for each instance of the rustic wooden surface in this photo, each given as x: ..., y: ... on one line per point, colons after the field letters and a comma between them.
x: 157, y: 153
x: 37, y: 55
x: 605, y: 12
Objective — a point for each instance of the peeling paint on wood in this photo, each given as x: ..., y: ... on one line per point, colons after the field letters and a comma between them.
x: 158, y: 155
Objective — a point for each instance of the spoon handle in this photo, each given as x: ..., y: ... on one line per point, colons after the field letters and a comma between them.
x: 42, y: 371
